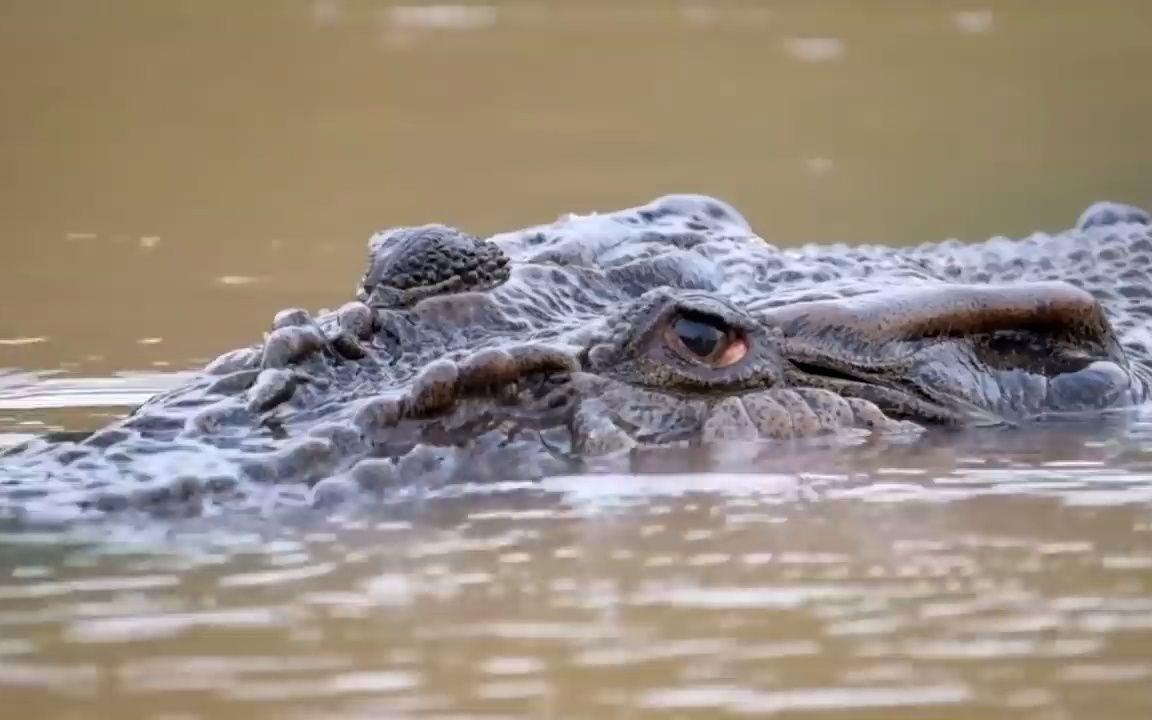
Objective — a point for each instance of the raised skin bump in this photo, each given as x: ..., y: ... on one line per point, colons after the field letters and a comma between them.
x: 238, y: 381
x: 772, y: 419
x: 291, y: 344
x: 213, y: 419
x: 234, y: 361
x: 594, y: 434
x: 487, y: 370
x: 1104, y: 214
x: 433, y: 390
x: 805, y: 422
x: 832, y: 411
x: 469, y: 359
x: 292, y: 317
x: 272, y: 387
x: 530, y: 359
x: 356, y: 318
x: 376, y: 417
x: 346, y: 346
x: 729, y: 420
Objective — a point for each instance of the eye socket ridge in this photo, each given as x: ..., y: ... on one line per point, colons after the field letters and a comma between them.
x: 703, y: 338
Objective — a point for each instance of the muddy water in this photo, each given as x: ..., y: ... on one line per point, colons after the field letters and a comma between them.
x: 174, y: 173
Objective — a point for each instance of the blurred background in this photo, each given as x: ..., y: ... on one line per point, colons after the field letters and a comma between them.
x: 173, y: 173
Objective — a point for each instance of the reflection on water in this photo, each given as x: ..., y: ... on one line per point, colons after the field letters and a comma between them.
x: 175, y: 173
x: 963, y: 577
x: 33, y: 403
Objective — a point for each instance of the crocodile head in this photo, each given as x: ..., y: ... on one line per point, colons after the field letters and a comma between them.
x: 468, y: 359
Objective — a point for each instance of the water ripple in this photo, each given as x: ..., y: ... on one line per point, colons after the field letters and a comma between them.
x: 149, y: 627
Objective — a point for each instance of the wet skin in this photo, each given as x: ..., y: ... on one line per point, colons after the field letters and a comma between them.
x: 531, y: 352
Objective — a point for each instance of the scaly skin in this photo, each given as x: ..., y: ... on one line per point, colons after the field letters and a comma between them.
x: 533, y: 351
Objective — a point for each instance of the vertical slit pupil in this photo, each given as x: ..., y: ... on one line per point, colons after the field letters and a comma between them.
x: 700, y: 335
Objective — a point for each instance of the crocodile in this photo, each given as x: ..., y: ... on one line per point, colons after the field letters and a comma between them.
x: 549, y: 348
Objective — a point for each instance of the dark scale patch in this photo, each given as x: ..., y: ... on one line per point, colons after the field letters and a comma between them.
x: 1139, y: 291
x: 74, y: 455
x: 1112, y: 255
x: 408, y: 264
x: 109, y: 437
x: 788, y: 277
x: 1105, y: 214
x: 681, y: 240
x: 1141, y: 247
x: 157, y: 423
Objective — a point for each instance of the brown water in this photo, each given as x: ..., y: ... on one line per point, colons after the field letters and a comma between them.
x: 173, y: 173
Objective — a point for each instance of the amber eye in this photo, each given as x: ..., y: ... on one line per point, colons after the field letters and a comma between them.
x: 706, y: 339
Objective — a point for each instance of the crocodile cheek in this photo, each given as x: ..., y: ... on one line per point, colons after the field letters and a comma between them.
x: 1010, y: 392
x: 771, y: 418
x: 801, y: 412
x: 869, y: 415
x: 955, y: 378
x: 594, y: 434
x: 645, y: 416
x: 729, y: 420
x: 832, y: 411
x: 805, y: 422
x: 655, y: 417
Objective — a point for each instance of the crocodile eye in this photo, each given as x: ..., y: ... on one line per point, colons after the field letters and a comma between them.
x: 704, y: 339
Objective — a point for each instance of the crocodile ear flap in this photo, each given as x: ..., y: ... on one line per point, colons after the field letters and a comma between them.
x: 408, y: 264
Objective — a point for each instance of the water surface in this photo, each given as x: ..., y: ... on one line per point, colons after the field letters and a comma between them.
x: 175, y: 173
